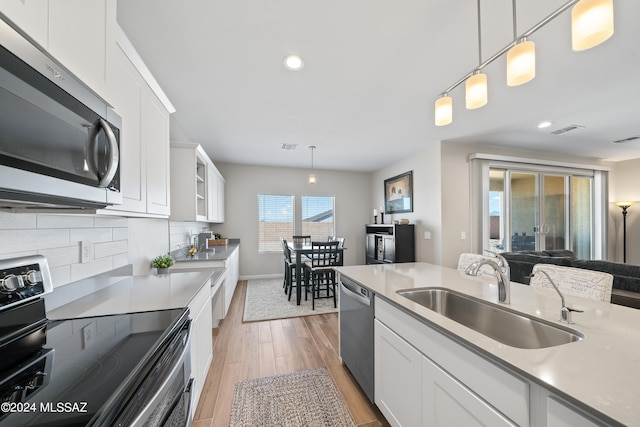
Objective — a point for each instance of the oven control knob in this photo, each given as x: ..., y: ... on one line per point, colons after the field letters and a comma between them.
x: 11, y: 283
x: 31, y: 277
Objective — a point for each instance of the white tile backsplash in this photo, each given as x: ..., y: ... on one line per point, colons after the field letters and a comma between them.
x: 180, y: 232
x: 58, y: 238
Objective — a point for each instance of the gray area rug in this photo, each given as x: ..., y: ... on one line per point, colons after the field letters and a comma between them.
x: 266, y: 300
x: 302, y: 398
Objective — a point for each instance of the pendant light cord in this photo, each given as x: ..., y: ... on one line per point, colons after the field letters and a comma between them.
x: 515, y: 28
x: 479, y: 36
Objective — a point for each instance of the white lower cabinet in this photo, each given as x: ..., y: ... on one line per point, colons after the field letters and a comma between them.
x: 201, y: 341
x: 398, y: 378
x: 423, y: 378
x: 561, y: 414
x: 447, y: 402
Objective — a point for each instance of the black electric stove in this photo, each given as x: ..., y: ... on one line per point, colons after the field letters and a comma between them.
x: 84, y: 371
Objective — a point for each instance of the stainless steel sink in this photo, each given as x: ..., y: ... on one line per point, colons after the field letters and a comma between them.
x: 500, y: 323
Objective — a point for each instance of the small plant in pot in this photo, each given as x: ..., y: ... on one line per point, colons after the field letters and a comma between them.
x: 162, y: 263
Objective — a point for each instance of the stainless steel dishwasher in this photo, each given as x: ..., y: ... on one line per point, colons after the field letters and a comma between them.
x: 356, y: 332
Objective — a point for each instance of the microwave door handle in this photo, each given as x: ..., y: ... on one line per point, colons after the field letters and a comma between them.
x: 114, y: 153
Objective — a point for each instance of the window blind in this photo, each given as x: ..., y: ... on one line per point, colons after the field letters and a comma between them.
x: 275, y: 221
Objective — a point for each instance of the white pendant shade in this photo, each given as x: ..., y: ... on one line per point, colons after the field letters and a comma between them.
x: 476, y: 91
x: 521, y: 63
x: 591, y: 23
x: 312, y: 179
x: 444, y: 110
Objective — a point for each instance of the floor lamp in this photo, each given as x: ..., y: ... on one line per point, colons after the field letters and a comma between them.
x: 624, y: 206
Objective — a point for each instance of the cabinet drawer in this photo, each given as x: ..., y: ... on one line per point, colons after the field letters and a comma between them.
x: 505, y: 391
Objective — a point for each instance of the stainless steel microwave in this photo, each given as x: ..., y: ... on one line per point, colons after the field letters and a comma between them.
x: 59, y: 141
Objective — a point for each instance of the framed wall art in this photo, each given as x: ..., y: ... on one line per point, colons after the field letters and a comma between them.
x: 398, y: 193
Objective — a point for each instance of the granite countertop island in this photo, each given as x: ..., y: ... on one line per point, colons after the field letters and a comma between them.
x: 139, y: 293
x: 598, y: 373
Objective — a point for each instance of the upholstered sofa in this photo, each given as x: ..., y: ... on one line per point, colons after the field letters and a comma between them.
x: 626, y: 277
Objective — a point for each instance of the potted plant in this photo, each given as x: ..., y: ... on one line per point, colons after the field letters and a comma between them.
x: 162, y: 263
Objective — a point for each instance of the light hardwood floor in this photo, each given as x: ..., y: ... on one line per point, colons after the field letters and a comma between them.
x: 257, y: 349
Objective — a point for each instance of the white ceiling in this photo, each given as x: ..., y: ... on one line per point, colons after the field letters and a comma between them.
x: 373, y: 69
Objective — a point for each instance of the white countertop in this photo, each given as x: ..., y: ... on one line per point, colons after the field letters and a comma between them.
x: 600, y: 371
x: 139, y: 293
x: 215, y: 253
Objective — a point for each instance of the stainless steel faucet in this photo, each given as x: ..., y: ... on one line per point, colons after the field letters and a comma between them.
x: 502, y: 272
x: 565, y: 312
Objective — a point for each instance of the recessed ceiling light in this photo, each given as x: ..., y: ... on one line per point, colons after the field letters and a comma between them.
x: 293, y: 62
x: 544, y: 124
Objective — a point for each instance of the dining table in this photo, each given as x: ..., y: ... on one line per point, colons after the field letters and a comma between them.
x: 300, y: 250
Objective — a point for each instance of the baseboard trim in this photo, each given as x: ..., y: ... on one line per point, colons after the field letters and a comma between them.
x: 262, y: 276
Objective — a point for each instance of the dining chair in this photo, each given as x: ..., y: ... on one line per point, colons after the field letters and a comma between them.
x: 319, y: 273
x: 340, y: 241
x: 289, y: 270
x: 594, y: 285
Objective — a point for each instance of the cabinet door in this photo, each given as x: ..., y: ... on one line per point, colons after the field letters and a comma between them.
x: 220, y: 199
x: 370, y: 249
x: 447, y: 402
x: 201, y: 339
x: 212, y: 194
x: 127, y: 102
x: 397, y: 377
x: 32, y: 16
x: 389, y: 249
x: 78, y: 37
x: 561, y: 415
x: 155, y: 136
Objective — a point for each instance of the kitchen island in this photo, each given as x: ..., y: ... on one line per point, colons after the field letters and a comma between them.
x: 593, y: 381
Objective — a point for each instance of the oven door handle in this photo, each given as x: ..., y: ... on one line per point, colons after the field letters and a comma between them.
x: 167, y: 381
x: 187, y: 411
x: 353, y: 295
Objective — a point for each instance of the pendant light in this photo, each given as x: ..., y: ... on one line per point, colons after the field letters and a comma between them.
x: 476, y: 85
x: 521, y: 58
x: 312, y: 177
x: 444, y: 110
x: 591, y: 23
x: 521, y: 63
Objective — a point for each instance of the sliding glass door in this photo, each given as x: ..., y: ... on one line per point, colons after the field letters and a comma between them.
x: 535, y: 210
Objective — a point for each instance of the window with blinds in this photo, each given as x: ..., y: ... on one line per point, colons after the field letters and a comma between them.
x: 275, y: 220
x: 318, y: 217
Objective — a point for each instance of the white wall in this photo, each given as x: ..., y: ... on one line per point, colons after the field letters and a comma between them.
x: 624, y: 186
x: 353, y: 209
x: 427, y: 195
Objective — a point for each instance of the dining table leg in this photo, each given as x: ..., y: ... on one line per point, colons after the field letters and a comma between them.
x: 299, y: 277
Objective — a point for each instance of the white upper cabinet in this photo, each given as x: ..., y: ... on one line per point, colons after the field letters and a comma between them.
x: 144, y: 145
x: 215, y: 195
x: 155, y: 137
x: 79, y: 32
x: 32, y: 16
x: 197, y: 188
x: 127, y: 102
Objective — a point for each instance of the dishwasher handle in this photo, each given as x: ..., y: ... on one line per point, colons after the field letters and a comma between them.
x: 357, y: 297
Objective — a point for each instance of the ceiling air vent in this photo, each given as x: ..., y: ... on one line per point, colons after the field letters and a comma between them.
x: 566, y: 129
x: 288, y: 146
x: 622, y: 141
